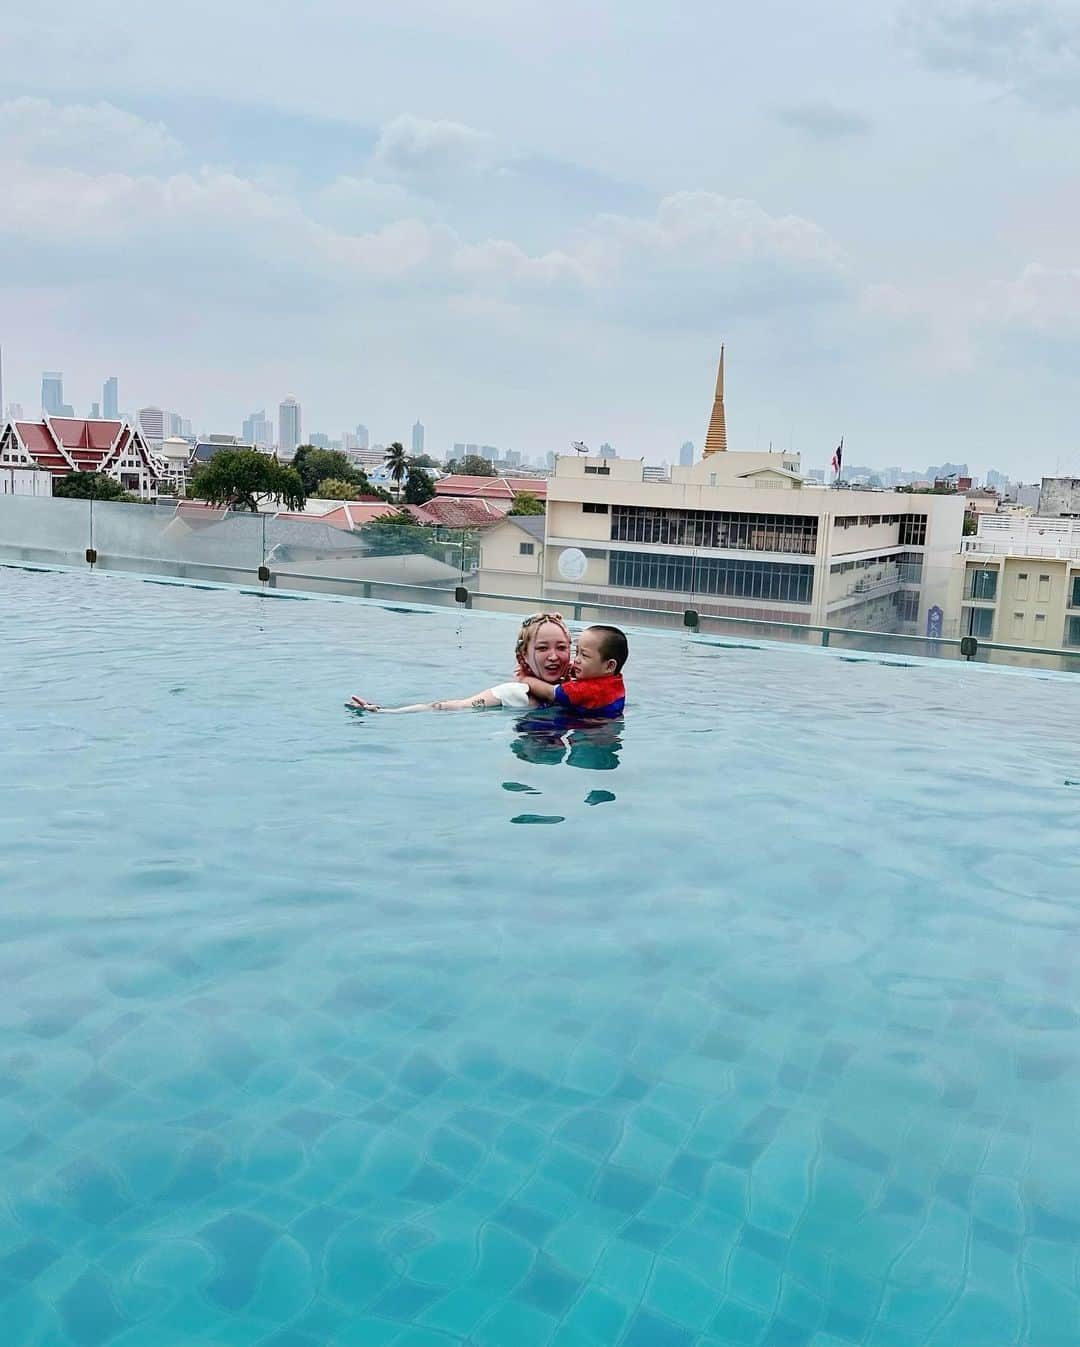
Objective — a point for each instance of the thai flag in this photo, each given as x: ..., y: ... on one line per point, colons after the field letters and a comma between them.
x: 838, y: 456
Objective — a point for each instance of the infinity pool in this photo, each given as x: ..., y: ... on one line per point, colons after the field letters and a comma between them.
x: 752, y: 1020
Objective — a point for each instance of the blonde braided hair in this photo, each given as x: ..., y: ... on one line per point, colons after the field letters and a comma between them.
x: 528, y: 629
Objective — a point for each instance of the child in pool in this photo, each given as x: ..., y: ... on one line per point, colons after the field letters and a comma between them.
x: 542, y: 652
x: 595, y: 685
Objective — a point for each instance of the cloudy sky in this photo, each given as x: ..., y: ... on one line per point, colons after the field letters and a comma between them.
x: 531, y: 223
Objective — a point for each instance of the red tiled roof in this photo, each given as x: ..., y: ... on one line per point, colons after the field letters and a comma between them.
x: 457, y: 513
x: 490, y: 488
x: 74, y: 433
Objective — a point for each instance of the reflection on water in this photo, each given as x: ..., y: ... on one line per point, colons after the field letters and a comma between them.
x: 548, y: 738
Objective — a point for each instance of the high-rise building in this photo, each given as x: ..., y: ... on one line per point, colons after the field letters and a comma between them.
x: 173, y: 424
x: 417, y: 439
x: 95, y: 411
x: 607, y: 451
x: 487, y: 451
x: 152, y: 423
x: 258, y: 430
x: 52, y: 393
x: 110, y: 399
x: 686, y: 454
x: 716, y: 436
x: 14, y: 411
x: 363, y: 440
x: 288, y: 425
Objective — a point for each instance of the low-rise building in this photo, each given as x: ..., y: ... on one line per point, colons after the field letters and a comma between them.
x: 62, y: 444
x: 745, y: 535
x: 1017, y: 581
x: 1059, y: 498
x: 512, y: 557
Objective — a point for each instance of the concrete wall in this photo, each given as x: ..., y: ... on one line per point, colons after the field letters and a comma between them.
x: 1059, y: 496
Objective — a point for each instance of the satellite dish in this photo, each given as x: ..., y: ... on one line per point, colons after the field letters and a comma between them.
x: 580, y: 447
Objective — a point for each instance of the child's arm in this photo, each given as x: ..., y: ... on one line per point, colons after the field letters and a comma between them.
x: 478, y: 702
x: 543, y: 692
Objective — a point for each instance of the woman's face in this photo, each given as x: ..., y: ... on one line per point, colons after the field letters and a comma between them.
x: 548, y: 653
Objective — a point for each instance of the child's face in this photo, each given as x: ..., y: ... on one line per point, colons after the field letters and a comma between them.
x: 588, y: 662
x: 549, y: 653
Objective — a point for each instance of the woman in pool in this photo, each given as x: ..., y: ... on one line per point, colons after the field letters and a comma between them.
x: 542, y: 651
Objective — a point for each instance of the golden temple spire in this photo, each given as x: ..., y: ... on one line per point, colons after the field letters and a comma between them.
x: 716, y: 436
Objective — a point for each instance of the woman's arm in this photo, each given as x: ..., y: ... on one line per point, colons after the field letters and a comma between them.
x: 477, y: 703
x: 543, y: 692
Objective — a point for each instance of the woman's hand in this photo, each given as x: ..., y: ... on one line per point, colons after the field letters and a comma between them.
x: 362, y: 705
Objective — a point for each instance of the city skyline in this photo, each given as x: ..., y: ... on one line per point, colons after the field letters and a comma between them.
x: 266, y: 432
x: 565, y: 269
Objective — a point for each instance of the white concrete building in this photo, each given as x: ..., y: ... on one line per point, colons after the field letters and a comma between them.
x: 744, y: 535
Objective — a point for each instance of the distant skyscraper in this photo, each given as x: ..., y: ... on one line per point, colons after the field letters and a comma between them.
x: 487, y: 451
x: 686, y: 454
x: 288, y: 425
x: 15, y: 411
x: 716, y: 436
x: 258, y: 430
x: 152, y: 423
x: 549, y: 459
x: 363, y: 440
x: 95, y: 411
x: 110, y: 400
x: 606, y: 451
x: 173, y: 424
x: 52, y: 393
x: 418, y: 439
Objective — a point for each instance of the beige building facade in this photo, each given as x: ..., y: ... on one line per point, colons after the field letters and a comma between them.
x: 1017, y: 582
x: 744, y: 535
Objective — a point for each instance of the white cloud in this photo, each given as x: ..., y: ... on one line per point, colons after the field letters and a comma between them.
x: 94, y: 138
x: 431, y: 154
x: 1030, y: 47
x: 1042, y: 300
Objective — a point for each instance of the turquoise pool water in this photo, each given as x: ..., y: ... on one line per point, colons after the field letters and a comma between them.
x: 751, y: 1021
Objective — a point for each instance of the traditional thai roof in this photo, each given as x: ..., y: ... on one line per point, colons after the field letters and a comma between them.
x: 63, y: 444
x: 490, y: 488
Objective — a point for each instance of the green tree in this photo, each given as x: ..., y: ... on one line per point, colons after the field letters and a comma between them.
x: 525, y: 502
x: 333, y: 488
x: 472, y: 465
x: 423, y: 461
x: 241, y: 478
x: 90, y: 486
x: 397, y: 462
x: 398, y: 534
x: 419, y: 486
x: 317, y: 465
x: 971, y: 523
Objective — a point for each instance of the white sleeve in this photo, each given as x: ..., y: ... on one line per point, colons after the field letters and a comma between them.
x: 512, y: 694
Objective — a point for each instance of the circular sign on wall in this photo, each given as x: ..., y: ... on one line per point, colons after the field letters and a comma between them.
x: 573, y: 563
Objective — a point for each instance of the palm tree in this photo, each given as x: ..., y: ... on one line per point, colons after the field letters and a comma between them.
x: 397, y: 461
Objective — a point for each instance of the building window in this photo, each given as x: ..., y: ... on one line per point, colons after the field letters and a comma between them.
x: 526, y: 549
x: 1074, y: 602
x: 1044, y: 589
x: 912, y: 530
x: 1018, y: 624
x: 1021, y: 585
x: 1040, y: 627
x: 598, y: 470
x: 590, y: 507
x: 979, y: 621
x: 734, y: 530
x: 981, y: 585
x: 1072, y: 630
x: 777, y: 582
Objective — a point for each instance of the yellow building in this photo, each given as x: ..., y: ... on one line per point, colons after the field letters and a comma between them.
x: 512, y: 559
x: 1017, y: 581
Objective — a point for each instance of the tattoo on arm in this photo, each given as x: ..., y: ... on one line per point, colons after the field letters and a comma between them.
x: 478, y: 703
